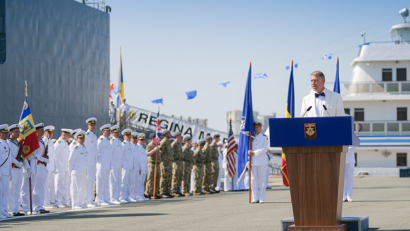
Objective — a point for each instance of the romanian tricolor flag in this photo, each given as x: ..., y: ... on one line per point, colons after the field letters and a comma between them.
x: 28, y: 134
x: 120, y: 86
x: 290, y: 113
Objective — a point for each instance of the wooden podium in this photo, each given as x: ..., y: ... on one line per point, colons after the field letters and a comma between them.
x: 315, y: 150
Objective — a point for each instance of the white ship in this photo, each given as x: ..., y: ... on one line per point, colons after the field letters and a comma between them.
x: 378, y: 97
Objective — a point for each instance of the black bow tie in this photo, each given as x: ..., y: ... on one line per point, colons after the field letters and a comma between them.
x: 320, y: 94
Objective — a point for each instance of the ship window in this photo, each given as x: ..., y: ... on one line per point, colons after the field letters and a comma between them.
x: 402, y: 113
x: 347, y: 111
x: 401, y: 159
x: 401, y: 74
x: 359, y: 114
x: 387, y: 74
x: 355, y: 158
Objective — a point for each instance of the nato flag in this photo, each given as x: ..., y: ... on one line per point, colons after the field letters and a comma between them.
x: 336, y: 87
x: 191, y: 94
x: 246, y: 126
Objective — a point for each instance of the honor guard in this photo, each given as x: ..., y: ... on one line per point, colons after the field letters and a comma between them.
x: 49, y: 194
x: 166, y: 164
x: 215, y: 163
x: 116, y: 165
x: 199, y: 159
x: 151, y: 168
x: 177, y: 165
x: 5, y: 170
x: 127, y: 167
x: 16, y: 171
x: 39, y: 179
x: 207, y: 166
x: 104, y: 153
x: 143, y: 167
x: 258, y: 162
x: 91, y: 145
x: 188, y: 156
x: 62, y: 179
x: 77, y: 166
x: 136, y: 166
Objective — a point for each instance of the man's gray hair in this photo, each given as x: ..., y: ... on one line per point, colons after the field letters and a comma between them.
x: 318, y: 73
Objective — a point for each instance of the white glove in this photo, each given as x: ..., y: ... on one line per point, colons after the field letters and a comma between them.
x: 46, y: 160
x: 29, y: 172
x: 19, y: 164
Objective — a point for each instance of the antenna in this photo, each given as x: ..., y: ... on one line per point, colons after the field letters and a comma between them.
x: 405, y: 14
x: 363, y: 34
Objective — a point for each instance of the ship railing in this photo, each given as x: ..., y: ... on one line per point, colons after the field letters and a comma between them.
x: 382, y: 127
x: 377, y: 88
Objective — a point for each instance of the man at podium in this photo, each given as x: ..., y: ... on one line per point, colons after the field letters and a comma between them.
x: 321, y: 102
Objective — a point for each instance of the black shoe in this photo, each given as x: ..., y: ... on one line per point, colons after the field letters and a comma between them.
x: 17, y: 214
x: 43, y: 211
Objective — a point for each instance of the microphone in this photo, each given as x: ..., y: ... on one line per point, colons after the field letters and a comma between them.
x: 307, y: 110
x: 326, y: 110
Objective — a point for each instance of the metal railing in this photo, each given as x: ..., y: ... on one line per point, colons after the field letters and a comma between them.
x: 382, y: 127
x: 378, y: 88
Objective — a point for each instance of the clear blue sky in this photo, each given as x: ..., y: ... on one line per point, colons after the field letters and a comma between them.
x: 170, y: 47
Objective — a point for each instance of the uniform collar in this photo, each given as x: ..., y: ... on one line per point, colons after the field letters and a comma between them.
x: 90, y: 131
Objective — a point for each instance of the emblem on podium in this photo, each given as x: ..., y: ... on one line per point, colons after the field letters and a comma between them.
x: 310, y: 131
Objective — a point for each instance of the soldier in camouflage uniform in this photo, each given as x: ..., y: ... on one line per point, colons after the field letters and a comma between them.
x: 151, y: 170
x: 207, y: 166
x: 215, y: 163
x: 188, y: 164
x: 199, y: 159
x: 177, y: 165
x: 166, y: 165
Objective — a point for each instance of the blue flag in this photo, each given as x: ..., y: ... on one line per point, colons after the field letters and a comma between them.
x: 191, y: 94
x: 246, y: 126
x: 290, y: 104
x: 224, y: 84
x: 260, y: 75
x: 336, y: 87
x: 157, y: 101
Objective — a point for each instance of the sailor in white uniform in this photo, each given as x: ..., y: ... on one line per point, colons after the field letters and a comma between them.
x: 91, y: 145
x: 142, y: 174
x: 258, y: 162
x: 116, y: 165
x: 124, y: 109
x: 74, y: 143
x: 49, y: 194
x: 62, y: 178
x: 111, y: 112
x: 16, y: 171
x: 127, y: 167
x: 349, y: 170
x: 220, y: 161
x: 39, y: 179
x: 136, y: 166
x: 193, y: 148
x: 104, y: 153
x: 5, y: 171
x: 77, y: 166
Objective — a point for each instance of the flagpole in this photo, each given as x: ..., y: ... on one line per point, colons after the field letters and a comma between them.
x: 250, y: 162
x: 29, y: 176
x: 155, y: 169
x: 119, y: 92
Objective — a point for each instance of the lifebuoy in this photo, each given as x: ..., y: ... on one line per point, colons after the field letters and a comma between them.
x: 360, y: 127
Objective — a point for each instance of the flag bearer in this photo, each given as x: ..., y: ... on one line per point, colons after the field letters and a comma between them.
x: 151, y: 169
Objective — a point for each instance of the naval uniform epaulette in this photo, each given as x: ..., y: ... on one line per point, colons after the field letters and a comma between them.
x: 100, y: 138
x: 87, y: 133
x: 123, y: 142
x: 59, y: 141
x: 76, y: 147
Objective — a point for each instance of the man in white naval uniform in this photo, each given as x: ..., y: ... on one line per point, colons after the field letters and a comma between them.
x: 91, y: 145
x: 193, y: 148
x: 16, y: 171
x: 74, y: 143
x: 116, y: 165
x: 258, y: 163
x: 5, y: 171
x: 111, y: 112
x: 136, y: 166
x: 220, y: 161
x: 322, y: 101
x: 39, y: 179
x: 49, y: 193
x: 124, y: 108
x: 349, y: 170
x: 127, y: 167
x: 62, y: 183
x: 104, y: 153
x: 141, y: 175
x: 77, y: 166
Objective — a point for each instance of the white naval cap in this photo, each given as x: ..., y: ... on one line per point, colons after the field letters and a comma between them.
x: 14, y: 126
x: 126, y: 132
x: 115, y: 128
x: 79, y: 134
x: 105, y: 127
x: 141, y: 136
x: 91, y: 120
x: 70, y: 140
x: 220, y: 143
x: 258, y: 121
x: 124, y: 98
x: 49, y: 128
x: 40, y: 125
x: 134, y: 134
x: 76, y: 130
x: 4, y: 128
x: 67, y: 130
